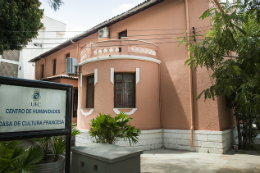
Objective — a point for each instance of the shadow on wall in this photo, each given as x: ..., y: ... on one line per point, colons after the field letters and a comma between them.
x: 206, y: 113
x: 175, y: 103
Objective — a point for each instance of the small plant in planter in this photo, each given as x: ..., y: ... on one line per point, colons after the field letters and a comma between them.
x: 53, y: 147
x: 44, y: 156
x: 108, y: 129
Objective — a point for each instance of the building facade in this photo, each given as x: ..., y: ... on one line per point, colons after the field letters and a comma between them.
x: 131, y: 63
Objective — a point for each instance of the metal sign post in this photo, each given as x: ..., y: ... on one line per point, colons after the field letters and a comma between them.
x: 35, y: 109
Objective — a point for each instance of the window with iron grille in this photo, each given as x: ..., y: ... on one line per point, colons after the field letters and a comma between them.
x: 124, y: 90
x: 90, y: 92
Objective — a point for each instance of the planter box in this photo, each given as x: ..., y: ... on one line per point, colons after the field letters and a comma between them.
x: 105, y: 158
x: 53, y: 167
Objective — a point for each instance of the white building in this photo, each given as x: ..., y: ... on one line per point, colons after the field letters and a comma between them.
x: 49, y: 36
x: 15, y: 63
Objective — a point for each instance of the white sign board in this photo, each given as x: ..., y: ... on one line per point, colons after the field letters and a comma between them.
x: 31, y: 109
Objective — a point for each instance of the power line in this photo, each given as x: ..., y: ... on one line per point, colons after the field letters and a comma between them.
x: 107, y: 46
x: 109, y: 41
x: 111, y: 37
x: 112, y: 30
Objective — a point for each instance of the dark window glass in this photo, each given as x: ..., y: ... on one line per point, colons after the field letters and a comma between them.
x: 67, y: 55
x: 90, y: 92
x: 122, y: 34
x: 42, y: 68
x: 124, y: 90
x: 54, y: 67
x: 75, y: 103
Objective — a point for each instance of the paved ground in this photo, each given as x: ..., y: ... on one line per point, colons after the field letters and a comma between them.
x: 174, y: 161
x: 169, y: 161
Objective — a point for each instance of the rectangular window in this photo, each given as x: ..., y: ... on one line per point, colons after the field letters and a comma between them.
x: 42, y: 69
x: 90, y: 92
x: 124, y: 90
x: 75, y: 102
x: 54, y: 67
x: 67, y: 55
x: 122, y: 34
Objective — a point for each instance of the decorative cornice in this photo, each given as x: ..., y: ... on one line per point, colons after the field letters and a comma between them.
x: 141, y: 58
x: 127, y: 113
x: 86, y: 113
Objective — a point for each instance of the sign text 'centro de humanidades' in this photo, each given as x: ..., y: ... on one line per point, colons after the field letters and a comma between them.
x: 31, y: 109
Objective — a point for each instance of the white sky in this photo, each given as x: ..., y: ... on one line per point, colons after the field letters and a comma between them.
x: 80, y: 15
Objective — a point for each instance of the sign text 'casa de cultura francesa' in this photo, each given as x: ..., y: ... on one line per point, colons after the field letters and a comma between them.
x: 31, y: 109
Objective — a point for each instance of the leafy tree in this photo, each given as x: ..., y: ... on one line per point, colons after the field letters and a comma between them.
x: 236, y: 28
x: 20, y: 21
x: 55, y: 4
x: 107, y: 129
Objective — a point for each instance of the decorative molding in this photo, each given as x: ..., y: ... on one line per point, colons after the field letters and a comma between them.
x: 80, y: 79
x: 127, y: 113
x: 112, y: 75
x: 95, y: 76
x: 141, y: 58
x: 83, y: 57
x: 127, y: 40
x: 111, y: 50
x: 137, y: 75
x: 86, y: 113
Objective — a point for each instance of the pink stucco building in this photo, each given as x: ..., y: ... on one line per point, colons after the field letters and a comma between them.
x: 131, y: 63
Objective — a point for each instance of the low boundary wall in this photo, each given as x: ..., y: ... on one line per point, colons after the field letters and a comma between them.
x: 217, y: 142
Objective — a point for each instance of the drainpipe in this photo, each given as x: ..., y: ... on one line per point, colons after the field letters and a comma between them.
x: 77, y: 48
x: 160, y: 99
x: 190, y: 78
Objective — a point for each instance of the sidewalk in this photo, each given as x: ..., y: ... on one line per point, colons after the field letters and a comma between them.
x: 169, y: 161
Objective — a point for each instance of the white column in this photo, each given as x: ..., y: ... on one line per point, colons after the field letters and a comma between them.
x: 112, y: 75
x: 95, y: 76
x: 81, y: 80
x: 137, y: 73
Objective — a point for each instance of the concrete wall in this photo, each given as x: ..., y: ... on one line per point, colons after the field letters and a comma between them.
x: 204, y: 141
x: 9, y: 62
x: 217, y: 142
x: 148, y: 140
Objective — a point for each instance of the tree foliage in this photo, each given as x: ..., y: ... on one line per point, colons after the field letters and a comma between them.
x: 235, y: 28
x: 15, y: 159
x: 20, y: 20
x: 107, y: 129
x: 55, y: 4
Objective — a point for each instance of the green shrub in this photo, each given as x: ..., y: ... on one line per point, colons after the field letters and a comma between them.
x: 107, y: 129
x: 15, y: 159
